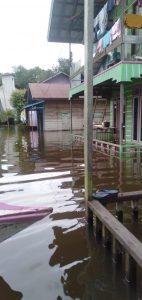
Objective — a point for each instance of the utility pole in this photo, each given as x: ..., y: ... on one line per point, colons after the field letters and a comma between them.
x: 88, y: 98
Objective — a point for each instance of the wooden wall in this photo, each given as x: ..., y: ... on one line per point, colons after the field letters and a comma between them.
x: 77, y: 114
x: 57, y: 114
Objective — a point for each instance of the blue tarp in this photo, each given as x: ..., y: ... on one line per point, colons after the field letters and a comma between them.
x: 33, y: 104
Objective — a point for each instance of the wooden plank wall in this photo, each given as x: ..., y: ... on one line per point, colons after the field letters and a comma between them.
x: 54, y: 114
x: 57, y: 114
x: 77, y: 114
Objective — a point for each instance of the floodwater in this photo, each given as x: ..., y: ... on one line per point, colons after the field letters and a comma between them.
x: 58, y: 258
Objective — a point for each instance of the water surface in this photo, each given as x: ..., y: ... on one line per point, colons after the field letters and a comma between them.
x: 58, y: 257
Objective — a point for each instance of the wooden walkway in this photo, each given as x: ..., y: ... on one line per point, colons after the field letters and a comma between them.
x: 114, y: 233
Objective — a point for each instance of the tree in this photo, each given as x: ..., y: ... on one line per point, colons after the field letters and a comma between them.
x: 24, y: 76
x: 21, y: 77
x: 63, y: 66
x: 18, y: 102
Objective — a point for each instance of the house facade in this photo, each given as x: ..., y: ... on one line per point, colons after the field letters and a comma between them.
x: 117, y: 62
x: 49, y: 108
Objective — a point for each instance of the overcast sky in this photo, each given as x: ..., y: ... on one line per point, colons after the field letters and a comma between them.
x: 23, y: 36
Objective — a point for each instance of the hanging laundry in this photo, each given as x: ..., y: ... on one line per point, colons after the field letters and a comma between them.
x: 103, y: 19
x: 117, y: 2
x: 139, y: 3
x: 99, y: 47
x: 106, y: 39
x: 133, y: 21
x: 116, y: 30
x: 110, y: 5
x: 96, y: 29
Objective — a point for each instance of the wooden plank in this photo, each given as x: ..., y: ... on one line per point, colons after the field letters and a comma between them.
x: 127, y: 196
x: 130, y: 243
x: 132, y: 39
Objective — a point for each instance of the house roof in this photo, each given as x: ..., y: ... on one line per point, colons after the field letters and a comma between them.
x: 54, y: 76
x: 49, y: 90
x: 66, y: 24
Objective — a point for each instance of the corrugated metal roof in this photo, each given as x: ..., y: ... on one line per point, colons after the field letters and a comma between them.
x: 121, y: 72
x: 66, y: 24
x: 66, y: 21
x: 49, y: 90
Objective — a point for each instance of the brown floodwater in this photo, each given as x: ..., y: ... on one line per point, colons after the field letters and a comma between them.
x: 58, y: 257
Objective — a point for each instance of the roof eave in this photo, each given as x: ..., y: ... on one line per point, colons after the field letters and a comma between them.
x: 66, y: 26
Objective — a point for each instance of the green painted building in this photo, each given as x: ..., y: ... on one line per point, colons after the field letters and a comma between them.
x: 117, y: 59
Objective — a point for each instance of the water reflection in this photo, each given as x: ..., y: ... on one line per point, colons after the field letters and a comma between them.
x: 7, y: 293
x: 31, y: 152
x: 71, y: 260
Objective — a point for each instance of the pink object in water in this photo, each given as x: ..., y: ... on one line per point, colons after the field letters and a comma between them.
x: 23, y: 213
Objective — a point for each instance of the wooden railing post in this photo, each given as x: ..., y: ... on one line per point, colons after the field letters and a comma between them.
x: 97, y: 227
x: 119, y: 211
x: 106, y: 236
x: 89, y: 216
x: 130, y: 269
x: 134, y: 206
x: 116, y: 250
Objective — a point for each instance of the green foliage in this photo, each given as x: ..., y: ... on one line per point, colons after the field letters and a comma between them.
x: 24, y: 76
x: 6, y: 115
x: 18, y: 102
x: 64, y: 65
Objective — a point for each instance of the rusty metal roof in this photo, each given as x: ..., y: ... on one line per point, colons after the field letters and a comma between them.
x: 66, y: 24
x: 49, y: 91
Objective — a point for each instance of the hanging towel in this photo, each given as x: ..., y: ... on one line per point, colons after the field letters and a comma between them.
x: 106, y: 39
x: 103, y: 19
x: 96, y: 21
x: 133, y: 21
x: 110, y: 5
x: 116, y: 30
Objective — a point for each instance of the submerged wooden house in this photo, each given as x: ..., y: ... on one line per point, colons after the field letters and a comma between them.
x: 116, y: 62
x: 48, y: 106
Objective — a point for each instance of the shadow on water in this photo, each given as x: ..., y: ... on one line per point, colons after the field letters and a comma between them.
x: 72, y: 264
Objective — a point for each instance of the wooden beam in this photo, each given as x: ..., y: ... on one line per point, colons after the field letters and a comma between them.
x: 132, y: 39
x: 88, y: 95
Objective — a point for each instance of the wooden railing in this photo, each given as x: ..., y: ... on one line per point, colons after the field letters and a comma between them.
x: 112, y: 230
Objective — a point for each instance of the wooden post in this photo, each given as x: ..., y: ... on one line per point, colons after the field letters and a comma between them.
x: 88, y: 97
x: 71, y: 115
x: 119, y: 211
x: 130, y: 269
x: 89, y: 216
x: 106, y: 236
x: 70, y: 61
x: 122, y: 84
x: 116, y: 250
x: 121, y: 118
x: 134, y: 206
x: 97, y: 227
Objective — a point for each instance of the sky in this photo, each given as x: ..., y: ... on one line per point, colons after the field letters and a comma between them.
x: 23, y: 36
